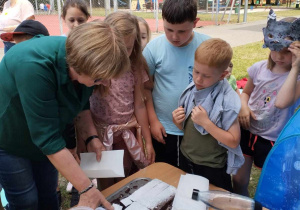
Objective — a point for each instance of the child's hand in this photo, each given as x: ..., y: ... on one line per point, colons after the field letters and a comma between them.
x: 295, y: 49
x: 178, y: 116
x: 150, y: 153
x: 96, y: 146
x: 244, y: 117
x: 158, y: 131
x: 199, y: 116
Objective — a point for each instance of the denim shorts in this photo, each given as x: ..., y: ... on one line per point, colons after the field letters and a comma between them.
x: 7, y: 46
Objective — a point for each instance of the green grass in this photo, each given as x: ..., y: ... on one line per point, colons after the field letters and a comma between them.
x: 207, y: 16
x: 255, y: 16
x: 245, y: 56
x: 254, y: 177
x: 65, y: 196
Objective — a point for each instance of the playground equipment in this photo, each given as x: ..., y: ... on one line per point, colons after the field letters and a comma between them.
x: 236, y: 3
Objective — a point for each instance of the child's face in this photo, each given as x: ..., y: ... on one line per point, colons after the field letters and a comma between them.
x: 74, y: 17
x: 282, y: 58
x: 181, y: 34
x: 19, y: 39
x: 205, y: 76
x: 229, y: 70
x: 129, y: 42
x: 144, y: 35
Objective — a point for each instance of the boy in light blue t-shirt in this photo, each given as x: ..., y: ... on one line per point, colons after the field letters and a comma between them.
x: 170, y: 58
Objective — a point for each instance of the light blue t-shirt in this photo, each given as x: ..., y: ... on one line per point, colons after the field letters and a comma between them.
x: 172, y: 68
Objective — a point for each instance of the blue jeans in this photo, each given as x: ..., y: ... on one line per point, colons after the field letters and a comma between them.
x: 28, y: 184
x: 7, y: 46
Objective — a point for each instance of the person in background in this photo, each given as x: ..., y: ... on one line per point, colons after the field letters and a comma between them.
x: 45, y: 83
x: 260, y: 119
x: 170, y: 58
x: 25, y: 31
x: 231, y: 79
x: 145, y: 32
x: 42, y: 6
x: 14, y: 12
x: 74, y: 13
x: 207, y: 112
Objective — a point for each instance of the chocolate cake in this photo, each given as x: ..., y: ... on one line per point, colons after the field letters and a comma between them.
x: 144, y: 194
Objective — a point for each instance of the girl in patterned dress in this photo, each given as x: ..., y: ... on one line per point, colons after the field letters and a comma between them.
x: 117, y: 106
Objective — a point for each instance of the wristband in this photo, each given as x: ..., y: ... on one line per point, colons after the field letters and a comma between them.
x: 90, y: 139
x: 86, y: 189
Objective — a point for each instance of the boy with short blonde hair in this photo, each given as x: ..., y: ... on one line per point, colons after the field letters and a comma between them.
x: 170, y: 58
x: 214, y: 53
x: 207, y: 113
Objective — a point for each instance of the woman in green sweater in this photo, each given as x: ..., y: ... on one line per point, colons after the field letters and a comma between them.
x: 44, y: 83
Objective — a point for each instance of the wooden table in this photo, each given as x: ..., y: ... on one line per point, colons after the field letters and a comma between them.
x: 161, y: 171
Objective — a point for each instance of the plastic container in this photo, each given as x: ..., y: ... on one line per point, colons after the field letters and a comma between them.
x: 225, y: 200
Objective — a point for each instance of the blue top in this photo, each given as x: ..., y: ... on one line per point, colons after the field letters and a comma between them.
x: 172, y: 68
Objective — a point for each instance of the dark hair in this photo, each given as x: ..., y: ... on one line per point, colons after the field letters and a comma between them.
x: 79, y: 4
x: 179, y: 11
x: 22, y: 36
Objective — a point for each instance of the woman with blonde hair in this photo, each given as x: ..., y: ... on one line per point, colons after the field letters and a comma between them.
x: 45, y: 83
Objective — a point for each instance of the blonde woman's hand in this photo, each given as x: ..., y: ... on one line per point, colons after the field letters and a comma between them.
x: 93, y: 198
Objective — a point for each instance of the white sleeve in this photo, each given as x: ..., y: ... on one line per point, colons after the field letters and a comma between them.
x: 6, y: 6
x: 27, y: 10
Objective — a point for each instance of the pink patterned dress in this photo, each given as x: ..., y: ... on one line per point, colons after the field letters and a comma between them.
x: 117, y: 108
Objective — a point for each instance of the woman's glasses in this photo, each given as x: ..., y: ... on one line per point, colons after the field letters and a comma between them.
x: 97, y: 81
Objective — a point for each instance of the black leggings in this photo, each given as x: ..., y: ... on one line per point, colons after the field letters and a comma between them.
x: 216, y: 176
x: 169, y: 152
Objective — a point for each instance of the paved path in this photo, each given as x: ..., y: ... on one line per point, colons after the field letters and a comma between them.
x: 235, y: 34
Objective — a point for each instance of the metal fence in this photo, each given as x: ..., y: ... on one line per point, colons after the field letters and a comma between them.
x: 48, y: 12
